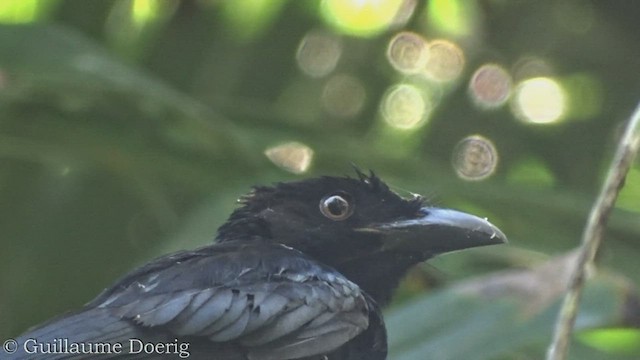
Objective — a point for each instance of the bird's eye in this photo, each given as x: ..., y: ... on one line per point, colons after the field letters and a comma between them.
x: 336, y: 206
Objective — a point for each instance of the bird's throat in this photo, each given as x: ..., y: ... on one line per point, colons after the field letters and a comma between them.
x: 378, y: 275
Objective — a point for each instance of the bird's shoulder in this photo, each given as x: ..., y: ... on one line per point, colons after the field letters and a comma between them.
x: 229, y: 264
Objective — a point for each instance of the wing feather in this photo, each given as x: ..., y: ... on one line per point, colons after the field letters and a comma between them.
x: 233, y: 313
x: 258, y: 302
x: 199, y: 318
x: 283, y: 325
x: 166, y: 311
x: 233, y: 330
x: 264, y: 311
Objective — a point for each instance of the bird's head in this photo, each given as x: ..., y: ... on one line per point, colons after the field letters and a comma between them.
x: 356, y: 225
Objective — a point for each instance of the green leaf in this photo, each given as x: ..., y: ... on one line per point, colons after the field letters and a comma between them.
x: 507, y: 315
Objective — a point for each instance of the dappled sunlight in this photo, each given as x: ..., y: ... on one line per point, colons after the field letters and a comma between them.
x: 292, y: 156
x: 405, y: 107
x: 343, y: 96
x: 19, y: 11
x: 408, y: 52
x: 366, y: 17
x: 318, y: 53
x: 454, y: 18
x: 490, y: 86
x: 144, y: 12
x: 131, y: 22
x: 475, y: 158
x: 540, y: 101
x: 427, y: 68
x: 446, y: 61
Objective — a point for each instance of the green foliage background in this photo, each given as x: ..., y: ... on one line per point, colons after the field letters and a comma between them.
x: 121, y: 141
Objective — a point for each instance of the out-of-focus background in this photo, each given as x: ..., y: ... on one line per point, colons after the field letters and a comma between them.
x: 128, y: 128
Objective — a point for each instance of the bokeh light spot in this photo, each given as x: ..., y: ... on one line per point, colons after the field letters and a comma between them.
x: 451, y: 16
x: 292, y: 156
x: 343, y: 96
x: 445, y: 62
x: 405, y: 107
x: 408, y: 52
x: 144, y: 11
x: 362, y: 17
x: 19, y: 11
x: 539, y: 100
x: 318, y: 53
x: 475, y: 158
x: 490, y: 86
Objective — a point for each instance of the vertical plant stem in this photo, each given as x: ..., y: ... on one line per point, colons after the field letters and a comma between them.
x: 592, y: 236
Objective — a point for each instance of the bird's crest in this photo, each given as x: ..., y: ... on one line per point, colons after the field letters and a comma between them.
x: 372, y: 180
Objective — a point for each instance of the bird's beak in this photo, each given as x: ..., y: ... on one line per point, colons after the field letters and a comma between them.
x: 437, y: 231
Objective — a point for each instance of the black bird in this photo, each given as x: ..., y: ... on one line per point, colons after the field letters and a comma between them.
x: 299, y: 271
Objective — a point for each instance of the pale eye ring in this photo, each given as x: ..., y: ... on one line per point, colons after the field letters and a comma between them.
x: 337, y: 206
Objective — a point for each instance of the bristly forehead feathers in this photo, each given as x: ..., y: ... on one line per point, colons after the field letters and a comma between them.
x: 365, y: 184
x: 367, y: 191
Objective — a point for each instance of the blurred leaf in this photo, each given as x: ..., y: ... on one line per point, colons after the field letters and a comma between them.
x: 508, y: 315
x: 613, y: 340
x: 75, y: 66
x: 24, y: 11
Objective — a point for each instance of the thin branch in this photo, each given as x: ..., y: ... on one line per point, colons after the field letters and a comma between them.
x: 592, y: 236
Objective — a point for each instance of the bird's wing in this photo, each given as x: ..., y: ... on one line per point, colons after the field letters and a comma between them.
x: 269, y: 301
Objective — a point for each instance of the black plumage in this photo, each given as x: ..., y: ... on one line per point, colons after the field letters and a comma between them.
x: 299, y: 271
